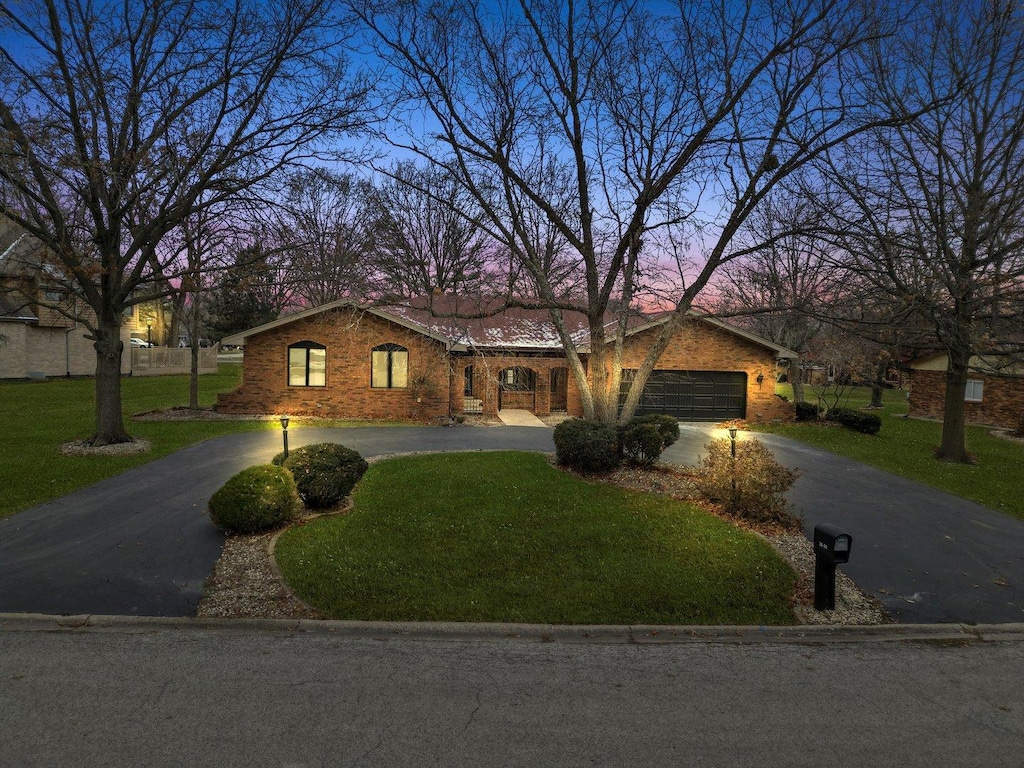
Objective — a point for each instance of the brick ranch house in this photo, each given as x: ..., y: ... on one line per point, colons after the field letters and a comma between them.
x: 346, y: 360
x: 994, y: 397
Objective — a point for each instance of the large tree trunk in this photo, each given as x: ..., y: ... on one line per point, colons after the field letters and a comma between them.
x: 877, y: 381
x: 796, y: 378
x: 954, y: 434
x: 109, y: 421
x: 193, y: 379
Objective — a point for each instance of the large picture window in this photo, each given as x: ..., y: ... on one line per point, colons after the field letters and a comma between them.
x: 307, y: 364
x: 389, y: 367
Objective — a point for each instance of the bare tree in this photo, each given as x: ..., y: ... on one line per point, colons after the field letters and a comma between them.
x: 634, y: 134
x: 324, y: 228
x: 119, y: 120
x: 930, y: 212
x: 428, y: 232
x: 786, y: 284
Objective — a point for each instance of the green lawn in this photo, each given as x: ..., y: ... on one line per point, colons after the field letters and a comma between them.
x: 39, y: 416
x: 505, y: 537
x: 905, y: 447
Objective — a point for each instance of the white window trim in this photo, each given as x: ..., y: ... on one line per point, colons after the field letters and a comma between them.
x: 975, y: 391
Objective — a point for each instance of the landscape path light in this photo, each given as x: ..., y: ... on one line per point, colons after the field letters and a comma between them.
x: 732, y: 438
x: 284, y: 432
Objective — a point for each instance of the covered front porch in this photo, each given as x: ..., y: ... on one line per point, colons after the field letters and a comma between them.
x: 538, y: 385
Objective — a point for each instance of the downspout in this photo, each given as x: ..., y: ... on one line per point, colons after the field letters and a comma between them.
x: 67, y: 343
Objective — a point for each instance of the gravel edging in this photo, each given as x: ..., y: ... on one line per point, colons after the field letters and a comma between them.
x: 246, y: 582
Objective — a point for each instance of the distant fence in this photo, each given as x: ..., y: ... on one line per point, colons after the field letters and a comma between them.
x: 154, y: 361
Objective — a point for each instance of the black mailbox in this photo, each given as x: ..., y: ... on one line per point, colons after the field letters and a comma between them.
x: 832, y: 544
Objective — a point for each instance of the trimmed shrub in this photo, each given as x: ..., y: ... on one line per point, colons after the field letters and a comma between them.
x: 643, y: 439
x: 867, y: 423
x: 641, y: 444
x: 806, y: 412
x: 256, y: 499
x: 324, y: 473
x: 760, y: 481
x: 668, y: 426
x: 586, y: 446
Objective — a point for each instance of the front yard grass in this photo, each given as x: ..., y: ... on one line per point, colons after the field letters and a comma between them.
x: 505, y: 537
x: 38, y: 417
x: 905, y: 447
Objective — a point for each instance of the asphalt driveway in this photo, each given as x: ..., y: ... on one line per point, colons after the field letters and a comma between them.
x: 141, y: 543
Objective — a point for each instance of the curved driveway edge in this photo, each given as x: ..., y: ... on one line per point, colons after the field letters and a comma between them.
x: 142, y: 544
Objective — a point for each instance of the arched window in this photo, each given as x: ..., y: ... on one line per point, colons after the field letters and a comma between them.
x: 389, y: 367
x: 307, y: 364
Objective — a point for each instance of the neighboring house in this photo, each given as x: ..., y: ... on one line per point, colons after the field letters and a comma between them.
x: 37, y: 337
x: 149, y: 321
x: 995, y: 392
x: 344, y: 360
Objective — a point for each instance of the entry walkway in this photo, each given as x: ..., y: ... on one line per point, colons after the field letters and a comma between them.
x: 141, y: 543
x: 519, y: 417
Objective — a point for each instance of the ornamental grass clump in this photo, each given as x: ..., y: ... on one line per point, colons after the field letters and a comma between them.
x: 256, y: 499
x: 752, y: 485
x: 324, y: 473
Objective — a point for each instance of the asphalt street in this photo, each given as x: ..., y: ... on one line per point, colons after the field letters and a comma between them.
x: 141, y: 543
x: 200, y: 697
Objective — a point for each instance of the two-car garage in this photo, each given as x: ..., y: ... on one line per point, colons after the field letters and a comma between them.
x: 692, y: 395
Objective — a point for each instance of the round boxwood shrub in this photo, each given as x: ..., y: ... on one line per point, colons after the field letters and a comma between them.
x: 256, y: 499
x: 324, y: 473
x: 586, y: 446
x: 643, y: 439
x: 642, y: 444
x: 667, y: 426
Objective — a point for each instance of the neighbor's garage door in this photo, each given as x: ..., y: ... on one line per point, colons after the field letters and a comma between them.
x: 692, y: 395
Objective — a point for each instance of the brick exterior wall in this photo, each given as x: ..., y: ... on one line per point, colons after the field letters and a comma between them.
x: 701, y: 346
x: 1002, y: 403
x: 349, y: 337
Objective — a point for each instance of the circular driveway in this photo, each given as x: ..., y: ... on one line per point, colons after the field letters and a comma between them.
x: 141, y: 543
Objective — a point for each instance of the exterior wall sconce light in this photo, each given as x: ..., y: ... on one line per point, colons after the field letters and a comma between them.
x: 284, y: 432
x: 760, y: 379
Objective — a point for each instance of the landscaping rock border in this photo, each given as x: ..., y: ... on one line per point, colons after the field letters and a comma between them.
x: 247, y: 584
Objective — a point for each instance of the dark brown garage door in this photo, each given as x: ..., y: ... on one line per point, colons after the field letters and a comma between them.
x: 692, y: 395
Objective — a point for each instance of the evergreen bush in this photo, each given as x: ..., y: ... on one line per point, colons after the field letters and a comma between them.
x: 867, y: 423
x: 586, y: 446
x: 256, y: 499
x: 806, y: 412
x: 324, y: 473
x: 644, y: 438
x: 641, y: 444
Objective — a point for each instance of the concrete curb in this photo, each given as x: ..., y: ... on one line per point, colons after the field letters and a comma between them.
x: 954, y: 634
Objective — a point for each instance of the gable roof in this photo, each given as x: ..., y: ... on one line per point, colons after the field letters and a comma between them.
x: 239, y: 338
x: 662, y: 318
x: 489, y: 327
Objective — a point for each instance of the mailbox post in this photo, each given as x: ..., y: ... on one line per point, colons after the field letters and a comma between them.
x: 831, y: 547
